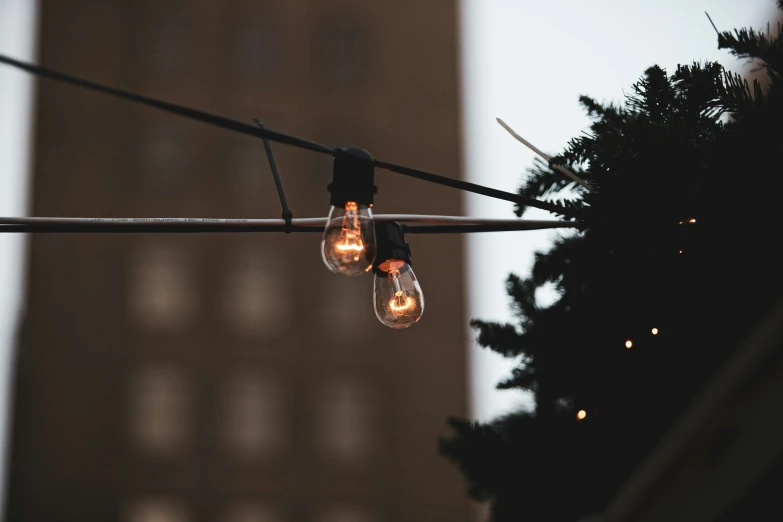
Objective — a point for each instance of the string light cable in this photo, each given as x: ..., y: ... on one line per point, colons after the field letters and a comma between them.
x: 260, y: 131
x: 354, y: 241
x: 413, y: 224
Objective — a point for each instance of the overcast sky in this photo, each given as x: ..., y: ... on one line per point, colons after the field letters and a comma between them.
x: 17, y: 21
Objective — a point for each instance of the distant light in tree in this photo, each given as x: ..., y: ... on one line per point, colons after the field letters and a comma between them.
x: 681, y: 223
x: 628, y: 344
x: 680, y: 251
x: 692, y: 220
x: 655, y: 331
x: 581, y: 414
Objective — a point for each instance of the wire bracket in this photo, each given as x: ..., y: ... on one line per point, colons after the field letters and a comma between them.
x: 288, y: 216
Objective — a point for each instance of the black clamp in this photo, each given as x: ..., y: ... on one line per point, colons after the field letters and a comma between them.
x: 353, y: 177
x: 390, y: 239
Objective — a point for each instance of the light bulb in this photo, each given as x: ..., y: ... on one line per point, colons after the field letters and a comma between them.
x: 348, y: 245
x: 397, y: 295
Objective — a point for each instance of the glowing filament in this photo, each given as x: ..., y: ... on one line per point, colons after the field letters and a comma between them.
x: 628, y: 344
x: 349, y: 246
x: 581, y: 414
x: 396, y: 303
x: 350, y: 236
x: 400, y: 303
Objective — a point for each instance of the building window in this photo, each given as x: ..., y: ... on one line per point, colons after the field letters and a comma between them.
x: 167, y: 46
x: 257, y: 298
x: 247, y: 172
x: 157, y: 510
x: 349, y: 316
x: 254, y: 48
x: 254, y: 417
x: 252, y: 513
x: 163, y: 157
x: 347, y: 514
x: 345, y: 431
x: 162, y: 288
x: 343, y: 52
x: 166, y: 40
x: 160, y: 411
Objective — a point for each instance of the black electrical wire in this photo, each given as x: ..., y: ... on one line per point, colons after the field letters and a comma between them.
x: 266, y: 134
x: 288, y: 216
x: 472, y: 187
x: 194, y: 114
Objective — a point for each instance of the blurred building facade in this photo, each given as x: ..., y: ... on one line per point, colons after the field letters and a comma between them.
x: 172, y: 378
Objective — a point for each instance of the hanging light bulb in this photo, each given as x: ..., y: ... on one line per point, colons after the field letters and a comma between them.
x: 397, y: 295
x: 348, y: 245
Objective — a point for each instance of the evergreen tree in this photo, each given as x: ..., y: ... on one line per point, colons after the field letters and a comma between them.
x: 679, y: 236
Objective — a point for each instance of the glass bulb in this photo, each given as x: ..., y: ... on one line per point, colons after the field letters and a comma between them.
x: 399, y: 302
x: 348, y: 245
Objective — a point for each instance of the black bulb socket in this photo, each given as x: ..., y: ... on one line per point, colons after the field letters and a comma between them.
x: 390, y: 239
x: 353, y: 177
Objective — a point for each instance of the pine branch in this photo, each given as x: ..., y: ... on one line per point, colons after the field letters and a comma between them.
x: 653, y: 95
x: 558, y: 264
x: 611, y: 112
x: 755, y: 45
x: 523, y: 296
x: 501, y: 338
x: 544, y: 182
x: 523, y: 378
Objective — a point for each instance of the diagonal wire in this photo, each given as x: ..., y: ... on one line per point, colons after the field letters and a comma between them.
x: 264, y: 133
x: 474, y: 188
x: 194, y: 114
